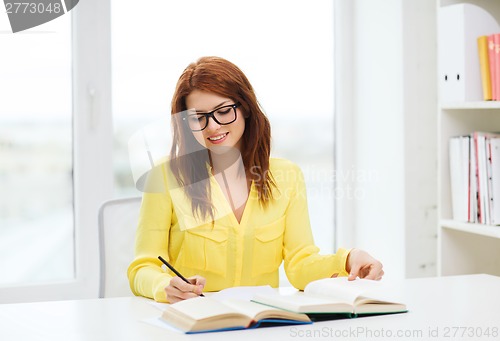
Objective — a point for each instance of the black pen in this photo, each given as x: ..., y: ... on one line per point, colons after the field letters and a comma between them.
x: 175, y: 271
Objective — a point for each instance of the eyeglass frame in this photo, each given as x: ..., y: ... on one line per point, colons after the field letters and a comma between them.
x: 211, y: 114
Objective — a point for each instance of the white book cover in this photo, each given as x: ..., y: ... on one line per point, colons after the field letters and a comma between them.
x: 484, y: 210
x: 495, y: 178
x: 489, y: 179
x: 473, y: 209
x: 459, y: 177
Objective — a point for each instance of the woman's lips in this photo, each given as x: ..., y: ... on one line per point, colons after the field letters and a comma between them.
x: 219, y: 138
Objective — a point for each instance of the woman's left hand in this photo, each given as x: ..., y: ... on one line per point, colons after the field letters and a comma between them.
x: 361, y: 264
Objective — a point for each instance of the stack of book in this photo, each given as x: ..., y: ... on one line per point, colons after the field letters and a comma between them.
x: 321, y: 300
x: 475, y: 178
x: 489, y: 61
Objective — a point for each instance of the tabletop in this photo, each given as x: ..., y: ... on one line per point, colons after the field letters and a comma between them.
x: 454, y: 307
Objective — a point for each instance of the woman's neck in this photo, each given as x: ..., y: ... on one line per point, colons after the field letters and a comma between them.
x: 228, y: 162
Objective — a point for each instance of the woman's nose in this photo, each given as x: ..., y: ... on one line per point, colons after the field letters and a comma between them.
x: 212, y: 125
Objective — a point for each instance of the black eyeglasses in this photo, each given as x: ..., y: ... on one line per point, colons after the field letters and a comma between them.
x: 223, y: 116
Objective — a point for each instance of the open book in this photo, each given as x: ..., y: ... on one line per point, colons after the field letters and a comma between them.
x: 204, y: 314
x: 337, y: 297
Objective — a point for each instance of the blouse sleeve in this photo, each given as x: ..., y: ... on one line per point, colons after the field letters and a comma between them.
x: 145, y: 274
x: 303, y: 263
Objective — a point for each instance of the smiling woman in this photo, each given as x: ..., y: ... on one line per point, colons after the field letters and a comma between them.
x: 226, y: 126
x: 188, y: 221
x: 287, y: 55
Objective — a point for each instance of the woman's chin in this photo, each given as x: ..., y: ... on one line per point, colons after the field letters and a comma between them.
x: 221, y: 150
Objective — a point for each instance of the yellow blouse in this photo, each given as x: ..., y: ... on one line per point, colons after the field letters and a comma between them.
x: 228, y: 253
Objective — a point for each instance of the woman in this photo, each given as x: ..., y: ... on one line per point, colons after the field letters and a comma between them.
x: 227, y: 214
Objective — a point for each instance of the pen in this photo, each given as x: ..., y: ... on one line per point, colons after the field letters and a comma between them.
x: 175, y: 271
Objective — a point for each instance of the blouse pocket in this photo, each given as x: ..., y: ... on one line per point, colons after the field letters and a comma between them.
x: 268, y: 247
x: 205, y: 248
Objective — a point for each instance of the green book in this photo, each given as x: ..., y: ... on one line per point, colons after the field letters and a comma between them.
x: 332, y: 298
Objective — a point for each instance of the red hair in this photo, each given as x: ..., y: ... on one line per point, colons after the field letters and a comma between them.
x: 219, y: 76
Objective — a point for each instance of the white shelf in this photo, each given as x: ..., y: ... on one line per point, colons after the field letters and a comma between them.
x: 477, y: 229
x: 464, y: 248
x: 471, y: 105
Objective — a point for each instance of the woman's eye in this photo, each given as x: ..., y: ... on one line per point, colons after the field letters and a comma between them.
x: 196, y: 118
x: 223, y: 111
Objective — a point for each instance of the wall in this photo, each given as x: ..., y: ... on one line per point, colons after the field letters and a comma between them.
x: 420, y: 125
x: 387, y: 106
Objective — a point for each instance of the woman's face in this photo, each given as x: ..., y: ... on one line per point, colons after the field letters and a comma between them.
x: 216, y: 136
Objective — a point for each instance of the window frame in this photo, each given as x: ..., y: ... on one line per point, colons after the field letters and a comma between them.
x: 92, y: 153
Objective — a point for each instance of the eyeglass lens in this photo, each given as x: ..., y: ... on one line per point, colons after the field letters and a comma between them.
x: 223, y: 115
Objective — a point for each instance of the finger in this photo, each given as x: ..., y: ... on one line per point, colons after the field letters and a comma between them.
x: 175, y: 295
x: 354, y: 272
x: 379, y: 277
x: 172, y: 294
x: 198, y: 282
x: 182, y: 286
x: 335, y: 275
x: 374, y: 271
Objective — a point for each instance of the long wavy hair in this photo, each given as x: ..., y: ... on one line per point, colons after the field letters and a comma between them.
x: 221, y: 77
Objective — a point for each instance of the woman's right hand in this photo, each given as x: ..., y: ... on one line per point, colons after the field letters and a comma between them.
x: 179, y: 290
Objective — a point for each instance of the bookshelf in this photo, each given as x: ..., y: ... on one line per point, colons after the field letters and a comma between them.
x: 465, y: 248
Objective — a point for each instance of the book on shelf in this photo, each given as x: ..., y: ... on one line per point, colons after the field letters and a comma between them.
x: 488, y: 48
x: 496, y: 61
x: 494, y: 145
x: 491, y: 66
x: 484, y: 63
x: 482, y: 179
x: 473, y: 207
x: 459, y: 147
x: 332, y: 298
x: 205, y: 314
x: 475, y: 178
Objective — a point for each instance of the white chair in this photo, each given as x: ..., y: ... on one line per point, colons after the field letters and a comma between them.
x: 117, y: 225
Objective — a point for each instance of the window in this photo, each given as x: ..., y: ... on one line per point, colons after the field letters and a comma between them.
x: 55, y: 152
x: 284, y: 47
x: 36, y: 167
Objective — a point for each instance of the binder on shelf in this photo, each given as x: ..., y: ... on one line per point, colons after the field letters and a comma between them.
x: 459, y: 73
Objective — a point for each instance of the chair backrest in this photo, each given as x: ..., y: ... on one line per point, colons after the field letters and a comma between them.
x: 117, y: 225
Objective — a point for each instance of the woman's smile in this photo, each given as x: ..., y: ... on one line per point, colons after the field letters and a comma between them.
x: 219, y: 138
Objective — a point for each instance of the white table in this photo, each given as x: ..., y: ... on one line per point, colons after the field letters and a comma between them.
x: 458, y: 307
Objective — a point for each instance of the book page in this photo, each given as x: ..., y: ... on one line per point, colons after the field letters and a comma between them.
x: 200, y: 308
x: 349, y: 291
x: 245, y: 293
x: 303, y: 303
x: 260, y: 311
x: 204, y: 314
